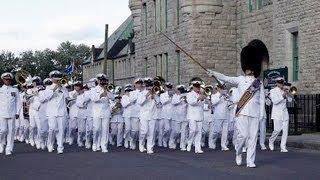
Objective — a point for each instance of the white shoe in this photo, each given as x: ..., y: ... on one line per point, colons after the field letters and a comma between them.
x: 50, y: 149
x: 60, y: 151
x: 43, y: 147
x: 94, y: 148
x: 141, y: 148
x: 126, y: 144
x: 239, y: 159
x: 263, y: 147
x: 8, y: 152
x: 99, y: 148
x: 150, y: 152
x: 104, y: 150
x: 80, y: 144
x: 271, y: 146
x: 1, y: 149
x: 225, y: 149
x: 165, y: 144
x: 183, y: 149
x: 284, y: 150
x: 199, y: 152
x: 189, y: 148
x: 32, y: 143
x: 212, y: 146
x: 251, y: 165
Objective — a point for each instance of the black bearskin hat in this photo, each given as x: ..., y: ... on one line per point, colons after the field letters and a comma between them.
x: 261, y: 48
x: 250, y: 60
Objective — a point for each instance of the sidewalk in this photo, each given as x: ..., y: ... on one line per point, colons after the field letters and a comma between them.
x: 304, y: 141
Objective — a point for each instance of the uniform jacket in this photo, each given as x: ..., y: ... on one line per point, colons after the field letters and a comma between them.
x: 220, y: 106
x: 179, y: 108
x: 195, y: 107
x: 256, y: 105
x: 165, y: 100
x: 279, y: 108
x: 147, y: 105
x: 127, y: 106
x: 9, y: 102
x: 56, y: 106
x: 135, y: 109
x: 100, y: 105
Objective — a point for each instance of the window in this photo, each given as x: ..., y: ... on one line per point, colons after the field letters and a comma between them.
x: 146, y: 66
x: 178, y: 12
x: 145, y: 12
x: 165, y: 14
x: 259, y: 4
x: 159, y: 65
x: 165, y: 62
x: 250, y: 5
x: 295, y: 56
x: 178, y: 66
x: 161, y: 14
x: 157, y: 13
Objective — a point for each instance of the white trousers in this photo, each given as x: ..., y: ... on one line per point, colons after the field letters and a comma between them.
x: 163, y: 132
x: 101, y: 132
x: 151, y: 134
x: 89, y: 124
x: 247, y: 132
x: 56, y: 132
x: 135, y: 126
x: 116, y: 131
x: 81, y: 124
x: 127, y: 129
x: 178, y: 128
x: 220, y: 126
x: 262, y: 132
x: 195, y: 134
x: 7, y: 129
x: 280, y: 125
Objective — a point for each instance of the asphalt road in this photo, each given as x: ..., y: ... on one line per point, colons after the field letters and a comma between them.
x: 28, y: 163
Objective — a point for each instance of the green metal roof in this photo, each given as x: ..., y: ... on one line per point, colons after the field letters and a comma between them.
x: 117, y: 41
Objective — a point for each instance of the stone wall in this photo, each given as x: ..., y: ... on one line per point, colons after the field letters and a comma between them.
x: 92, y: 69
x: 206, y: 30
x: 273, y: 24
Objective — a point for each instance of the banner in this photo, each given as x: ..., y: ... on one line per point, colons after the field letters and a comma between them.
x: 269, y: 76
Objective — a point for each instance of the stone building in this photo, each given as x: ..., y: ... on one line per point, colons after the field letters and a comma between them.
x: 214, y: 32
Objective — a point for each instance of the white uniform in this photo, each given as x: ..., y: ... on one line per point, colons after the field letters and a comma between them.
x: 81, y: 118
x: 207, y: 125
x: 34, y: 119
x: 56, y: 112
x: 166, y: 115
x: 127, y: 107
x: 134, y: 117
x: 39, y: 110
x: 101, y: 118
x: 195, y: 117
x: 220, y: 116
x: 158, y: 122
x: 179, y: 125
x: 147, y: 106
x: 89, y: 118
x: 247, y: 123
x: 280, y: 117
x: 9, y: 107
x: 19, y: 128
x: 116, y: 124
x: 73, y: 114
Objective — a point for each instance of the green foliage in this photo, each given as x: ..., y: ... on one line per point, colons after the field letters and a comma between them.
x: 40, y: 63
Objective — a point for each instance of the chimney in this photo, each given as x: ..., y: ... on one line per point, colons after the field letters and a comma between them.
x: 93, y: 53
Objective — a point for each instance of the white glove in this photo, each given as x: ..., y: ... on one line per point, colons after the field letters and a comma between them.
x: 210, y: 72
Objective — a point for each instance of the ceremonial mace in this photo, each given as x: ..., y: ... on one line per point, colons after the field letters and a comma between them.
x: 189, y: 55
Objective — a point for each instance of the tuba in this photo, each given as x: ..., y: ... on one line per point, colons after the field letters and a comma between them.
x: 22, y: 77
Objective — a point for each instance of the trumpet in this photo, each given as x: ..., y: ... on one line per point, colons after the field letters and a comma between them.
x: 157, y: 87
x: 63, y: 81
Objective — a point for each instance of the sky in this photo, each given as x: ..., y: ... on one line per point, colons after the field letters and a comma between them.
x: 41, y: 24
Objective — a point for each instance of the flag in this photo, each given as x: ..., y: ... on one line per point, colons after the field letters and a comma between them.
x: 69, y: 69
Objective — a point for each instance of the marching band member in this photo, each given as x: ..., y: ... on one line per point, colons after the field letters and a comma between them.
x: 147, y: 105
x: 36, y: 114
x: 19, y: 121
x: 135, y: 111
x: 116, y: 122
x: 86, y: 100
x: 280, y: 116
x: 127, y: 107
x: 101, y: 113
x: 157, y: 120
x: 251, y: 106
x: 73, y: 112
x: 81, y: 109
x: 263, y: 123
x: 179, y: 122
x: 56, y: 96
x: 195, y: 101
x: 9, y: 111
x: 207, y: 125
x: 220, y: 115
x: 232, y: 134
x: 164, y: 126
